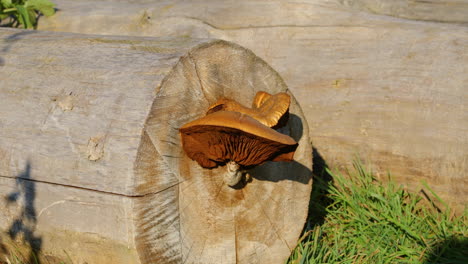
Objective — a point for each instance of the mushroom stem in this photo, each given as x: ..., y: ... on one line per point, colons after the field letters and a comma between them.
x: 233, y: 173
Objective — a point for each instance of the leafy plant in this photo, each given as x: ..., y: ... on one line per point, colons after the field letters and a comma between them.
x: 24, y: 12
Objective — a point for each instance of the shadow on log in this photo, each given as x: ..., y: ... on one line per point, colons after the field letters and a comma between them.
x: 24, y: 224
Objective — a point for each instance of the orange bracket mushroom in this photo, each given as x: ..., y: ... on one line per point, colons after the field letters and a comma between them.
x: 236, y: 139
x: 270, y: 110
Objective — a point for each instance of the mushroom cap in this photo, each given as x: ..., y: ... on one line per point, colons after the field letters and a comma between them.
x: 260, y: 98
x: 266, y: 108
x: 225, y: 104
x: 225, y: 135
x: 274, y: 107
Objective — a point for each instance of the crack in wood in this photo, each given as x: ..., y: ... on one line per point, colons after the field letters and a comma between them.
x: 210, y: 25
x: 195, y: 66
x: 90, y: 189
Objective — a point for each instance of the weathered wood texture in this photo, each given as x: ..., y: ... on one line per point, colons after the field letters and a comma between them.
x: 448, y: 11
x: 90, y: 150
x: 393, y: 91
x: 90, y: 226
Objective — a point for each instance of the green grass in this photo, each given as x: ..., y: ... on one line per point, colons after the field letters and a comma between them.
x: 366, y: 221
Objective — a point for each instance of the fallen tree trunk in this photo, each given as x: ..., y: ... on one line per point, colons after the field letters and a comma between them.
x: 392, y: 91
x: 446, y: 11
x: 91, y: 160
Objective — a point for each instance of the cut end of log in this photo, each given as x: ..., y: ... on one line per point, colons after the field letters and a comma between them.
x: 194, y: 216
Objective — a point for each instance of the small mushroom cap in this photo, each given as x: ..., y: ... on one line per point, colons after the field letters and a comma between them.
x: 274, y: 107
x: 225, y: 135
x: 266, y: 108
x: 260, y: 98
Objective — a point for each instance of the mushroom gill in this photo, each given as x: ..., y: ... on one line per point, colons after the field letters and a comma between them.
x: 225, y: 136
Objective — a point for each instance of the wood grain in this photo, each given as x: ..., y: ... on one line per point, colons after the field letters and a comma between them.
x: 216, y: 223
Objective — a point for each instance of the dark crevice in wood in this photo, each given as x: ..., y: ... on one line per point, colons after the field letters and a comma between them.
x: 195, y: 67
x: 89, y: 189
x: 265, y: 26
